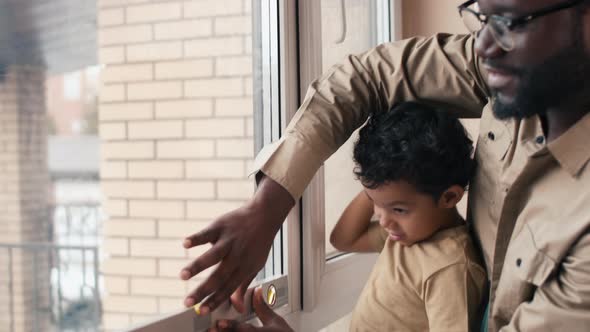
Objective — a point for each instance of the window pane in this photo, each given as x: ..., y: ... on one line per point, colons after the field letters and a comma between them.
x: 348, y: 27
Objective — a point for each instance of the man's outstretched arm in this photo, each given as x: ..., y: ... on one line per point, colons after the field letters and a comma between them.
x: 441, y: 70
x: 232, y: 236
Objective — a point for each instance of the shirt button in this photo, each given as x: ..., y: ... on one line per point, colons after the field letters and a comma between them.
x: 540, y: 139
x: 491, y: 136
x: 518, y: 262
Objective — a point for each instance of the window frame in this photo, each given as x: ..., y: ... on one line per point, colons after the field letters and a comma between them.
x: 322, y: 278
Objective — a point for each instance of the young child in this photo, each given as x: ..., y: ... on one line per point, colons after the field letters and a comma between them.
x: 414, y: 163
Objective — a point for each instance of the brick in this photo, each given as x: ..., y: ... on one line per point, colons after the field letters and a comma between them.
x: 116, y: 246
x: 185, y: 149
x: 155, y: 170
x: 127, y: 151
x: 154, y: 51
x: 214, y: 47
x: 153, y: 12
x: 172, y: 304
x: 184, y: 69
x: 115, y: 207
x: 158, y: 286
x: 116, y: 285
x: 247, y: 6
x: 171, y: 267
x: 248, y: 89
x: 215, y: 169
x: 185, y: 189
x: 215, y: 128
x: 113, y: 170
x: 127, y: 73
x: 241, y: 25
x: 233, y: 66
x: 107, y: 17
x: 200, y: 8
x: 248, y: 45
x: 183, y: 29
x: 157, y: 248
x: 156, y: 209
x: 112, y: 131
x: 235, y: 189
x: 131, y: 304
x: 130, y: 227
x: 125, y: 111
x: 184, y: 109
x: 141, y: 319
x: 115, y: 321
x: 124, y: 35
x: 118, y: 3
x: 222, y: 87
x: 250, y: 128
x: 178, y: 229
x: 234, y: 107
x: 151, y: 91
x: 129, y: 266
x: 128, y: 189
x: 209, y: 210
x: 235, y: 148
x: 155, y: 129
x: 112, y: 92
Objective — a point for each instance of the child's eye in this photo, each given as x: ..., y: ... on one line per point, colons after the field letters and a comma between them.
x: 400, y: 210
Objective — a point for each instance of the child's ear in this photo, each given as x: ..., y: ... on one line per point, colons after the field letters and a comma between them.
x: 451, y: 197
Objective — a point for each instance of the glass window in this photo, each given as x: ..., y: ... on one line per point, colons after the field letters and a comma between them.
x: 348, y: 27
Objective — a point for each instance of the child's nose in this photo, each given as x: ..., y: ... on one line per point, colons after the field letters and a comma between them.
x: 384, y: 220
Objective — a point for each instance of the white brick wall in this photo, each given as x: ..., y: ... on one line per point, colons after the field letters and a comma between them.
x: 176, y: 128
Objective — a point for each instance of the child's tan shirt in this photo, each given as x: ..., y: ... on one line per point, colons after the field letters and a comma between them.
x: 434, y: 285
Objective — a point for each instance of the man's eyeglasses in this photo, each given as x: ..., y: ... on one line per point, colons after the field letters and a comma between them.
x: 501, y: 26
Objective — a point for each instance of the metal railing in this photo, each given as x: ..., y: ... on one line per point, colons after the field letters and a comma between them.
x: 77, y: 223
x: 55, y: 293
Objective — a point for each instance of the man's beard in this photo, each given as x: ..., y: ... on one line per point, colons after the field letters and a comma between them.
x: 549, y: 84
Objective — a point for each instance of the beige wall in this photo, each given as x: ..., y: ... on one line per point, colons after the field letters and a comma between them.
x: 176, y: 131
x: 426, y: 17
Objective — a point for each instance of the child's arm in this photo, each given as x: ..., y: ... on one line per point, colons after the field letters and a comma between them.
x: 351, y: 233
x: 453, y: 298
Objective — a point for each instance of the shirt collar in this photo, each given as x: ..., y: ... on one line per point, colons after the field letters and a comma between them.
x: 572, y: 148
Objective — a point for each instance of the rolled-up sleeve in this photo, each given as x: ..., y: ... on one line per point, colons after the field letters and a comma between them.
x: 563, y: 302
x: 441, y: 70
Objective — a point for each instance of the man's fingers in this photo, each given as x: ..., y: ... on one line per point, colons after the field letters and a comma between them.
x: 211, y: 285
x: 206, y: 260
x: 232, y: 325
x: 222, y: 294
x: 262, y: 310
x: 237, y: 298
x: 207, y: 235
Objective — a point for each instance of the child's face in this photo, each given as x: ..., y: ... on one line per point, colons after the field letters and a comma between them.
x: 407, y: 215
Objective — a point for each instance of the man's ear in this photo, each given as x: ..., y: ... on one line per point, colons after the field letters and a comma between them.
x: 451, y: 197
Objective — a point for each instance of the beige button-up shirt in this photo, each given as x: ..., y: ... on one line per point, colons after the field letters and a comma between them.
x: 529, y: 202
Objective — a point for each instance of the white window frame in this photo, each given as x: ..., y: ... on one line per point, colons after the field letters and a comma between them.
x: 329, y: 288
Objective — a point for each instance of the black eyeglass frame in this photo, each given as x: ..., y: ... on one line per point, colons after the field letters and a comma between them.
x: 512, y: 23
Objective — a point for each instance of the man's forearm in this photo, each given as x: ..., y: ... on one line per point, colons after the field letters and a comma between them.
x: 273, y: 198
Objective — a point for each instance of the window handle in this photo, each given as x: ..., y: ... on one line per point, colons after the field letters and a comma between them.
x: 342, y: 36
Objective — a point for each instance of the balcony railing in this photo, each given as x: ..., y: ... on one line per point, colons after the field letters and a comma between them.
x: 50, y: 287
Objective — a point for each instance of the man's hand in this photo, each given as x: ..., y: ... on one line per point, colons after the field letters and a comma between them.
x: 271, y: 322
x: 241, y: 241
